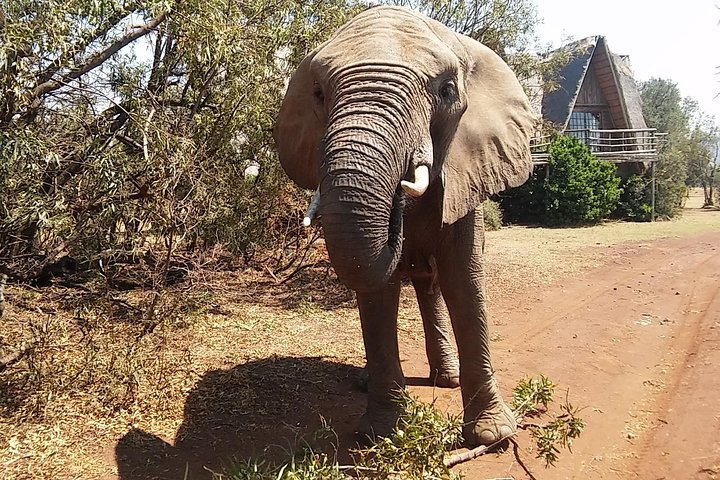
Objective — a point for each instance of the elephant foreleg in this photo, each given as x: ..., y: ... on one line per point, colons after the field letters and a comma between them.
x: 444, y: 366
x: 486, y: 417
x: 378, y: 316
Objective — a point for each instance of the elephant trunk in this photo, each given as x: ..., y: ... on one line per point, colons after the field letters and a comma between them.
x: 361, y: 204
x: 366, y: 155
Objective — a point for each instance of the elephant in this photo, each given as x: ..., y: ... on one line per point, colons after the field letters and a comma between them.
x: 405, y: 127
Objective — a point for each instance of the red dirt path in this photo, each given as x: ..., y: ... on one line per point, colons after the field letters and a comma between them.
x: 637, y: 342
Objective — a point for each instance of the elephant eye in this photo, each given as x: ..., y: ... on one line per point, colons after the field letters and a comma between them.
x: 448, y: 91
x: 318, y: 94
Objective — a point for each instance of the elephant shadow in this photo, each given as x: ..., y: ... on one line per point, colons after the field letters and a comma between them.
x: 262, y: 409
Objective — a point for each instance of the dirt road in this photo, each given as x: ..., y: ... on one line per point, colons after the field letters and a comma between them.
x: 637, y: 343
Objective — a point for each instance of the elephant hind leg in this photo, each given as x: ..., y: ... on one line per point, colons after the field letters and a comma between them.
x: 443, y: 360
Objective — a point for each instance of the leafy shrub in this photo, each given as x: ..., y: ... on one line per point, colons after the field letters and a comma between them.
x: 492, y: 215
x: 634, y: 202
x: 580, y: 188
x: 153, y: 156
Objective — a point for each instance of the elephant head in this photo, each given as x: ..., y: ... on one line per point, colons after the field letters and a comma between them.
x: 395, y: 99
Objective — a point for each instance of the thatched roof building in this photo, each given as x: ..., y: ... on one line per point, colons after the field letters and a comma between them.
x: 596, y: 89
x: 596, y: 99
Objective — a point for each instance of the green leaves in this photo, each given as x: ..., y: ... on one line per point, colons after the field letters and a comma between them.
x: 557, y: 434
x: 689, y: 154
x: 531, y: 397
x: 580, y: 188
x: 531, y: 393
x: 150, y: 111
x: 634, y: 203
x: 416, y: 449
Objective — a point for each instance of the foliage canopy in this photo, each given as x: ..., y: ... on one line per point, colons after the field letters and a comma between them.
x: 126, y: 126
x: 689, y: 156
x: 137, y: 126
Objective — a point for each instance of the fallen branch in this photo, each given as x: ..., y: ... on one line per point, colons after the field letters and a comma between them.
x: 459, y: 458
x: 13, y: 357
x: 516, y: 452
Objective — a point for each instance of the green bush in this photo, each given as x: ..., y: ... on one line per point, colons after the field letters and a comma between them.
x: 634, y: 203
x: 580, y: 189
x: 492, y: 215
x: 162, y: 166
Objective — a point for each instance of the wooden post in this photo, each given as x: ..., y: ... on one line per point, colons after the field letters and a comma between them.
x: 652, y: 190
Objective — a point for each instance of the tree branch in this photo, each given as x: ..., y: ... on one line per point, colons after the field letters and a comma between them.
x: 13, y: 357
x: 459, y: 458
x: 95, y: 60
x: 47, y: 74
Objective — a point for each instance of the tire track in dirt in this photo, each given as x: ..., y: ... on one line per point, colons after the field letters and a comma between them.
x: 610, y: 348
x: 676, y: 446
x: 612, y: 336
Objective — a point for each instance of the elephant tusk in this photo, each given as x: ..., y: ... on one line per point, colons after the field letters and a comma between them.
x: 312, y: 208
x: 420, y: 184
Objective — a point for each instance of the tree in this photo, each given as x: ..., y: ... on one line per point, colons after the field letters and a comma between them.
x: 701, y: 150
x: 688, y: 156
x: 128, y: 125
x: 663, y: 110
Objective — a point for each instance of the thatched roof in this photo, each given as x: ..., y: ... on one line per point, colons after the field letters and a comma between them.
x: 630, y: 92
x: 617, y: 80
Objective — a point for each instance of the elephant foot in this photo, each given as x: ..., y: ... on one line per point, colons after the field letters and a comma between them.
x: 378, y: 423
x: 445, y: 377
x: 490, y: 426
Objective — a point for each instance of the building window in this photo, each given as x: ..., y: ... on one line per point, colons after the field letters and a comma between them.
x: 580, y: 123
x: 584, y: 121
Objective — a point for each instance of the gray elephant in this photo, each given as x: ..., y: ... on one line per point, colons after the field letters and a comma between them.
x: 405, y: 127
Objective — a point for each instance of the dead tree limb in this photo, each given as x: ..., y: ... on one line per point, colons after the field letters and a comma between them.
x: 459, y: 458
x: 13, y: 357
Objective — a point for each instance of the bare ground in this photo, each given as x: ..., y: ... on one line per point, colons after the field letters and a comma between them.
x: 624, y: 316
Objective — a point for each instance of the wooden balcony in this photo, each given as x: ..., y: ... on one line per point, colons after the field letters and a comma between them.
x: 616, y: 146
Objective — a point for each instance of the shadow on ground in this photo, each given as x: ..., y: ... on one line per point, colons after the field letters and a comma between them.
x: 263, y: 409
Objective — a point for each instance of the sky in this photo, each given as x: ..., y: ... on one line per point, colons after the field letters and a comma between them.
x: 675, y: 40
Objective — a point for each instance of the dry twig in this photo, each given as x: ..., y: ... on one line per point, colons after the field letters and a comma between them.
x: 13, y: 357
x: 459, y: 458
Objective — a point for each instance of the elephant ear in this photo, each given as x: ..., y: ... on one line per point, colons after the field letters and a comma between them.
x: 298, y: 129
x: 490, y: 150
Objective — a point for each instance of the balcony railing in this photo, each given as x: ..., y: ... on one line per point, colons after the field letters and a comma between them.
x: 617, y: 146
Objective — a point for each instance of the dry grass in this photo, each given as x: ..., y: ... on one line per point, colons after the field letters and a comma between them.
x: 522, y: 257
x: 100, y: 366
x: 103, y: 366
